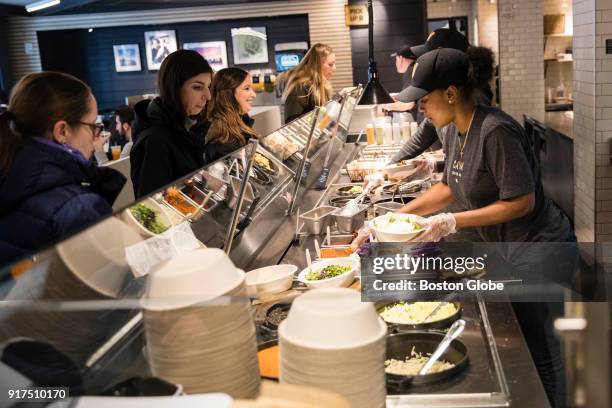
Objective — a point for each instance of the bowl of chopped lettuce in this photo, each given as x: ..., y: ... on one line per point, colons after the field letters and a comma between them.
x: 393, y: 227
x: 329, y: 273
x: 147, y: 217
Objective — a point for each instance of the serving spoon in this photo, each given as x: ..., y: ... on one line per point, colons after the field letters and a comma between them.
x: 455, y: 330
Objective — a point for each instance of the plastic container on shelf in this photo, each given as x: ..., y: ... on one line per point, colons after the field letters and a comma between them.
x: 371, y: 134
x: 379, y: 130
x: 406, y: 131
x: 397, y: 134
x: 388, y: 133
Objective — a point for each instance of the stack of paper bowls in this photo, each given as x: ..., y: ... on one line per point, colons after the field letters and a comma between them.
x: 333, y: 341
x: 90, y: 266
x: 199, y: 328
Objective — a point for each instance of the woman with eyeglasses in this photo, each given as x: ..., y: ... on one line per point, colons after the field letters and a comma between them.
x: 48, y: 186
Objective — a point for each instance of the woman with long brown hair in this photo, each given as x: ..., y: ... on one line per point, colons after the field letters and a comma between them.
x: 169, y: 130
x: 228, y: 111
x: 309, y: 83
x: 48, y: 186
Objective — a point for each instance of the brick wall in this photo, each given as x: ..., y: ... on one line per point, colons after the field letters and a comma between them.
x: 584, y: 118
x: 488, y: 27
x: 603, y: 122
x: 459, y: 8
x: 521, y: 45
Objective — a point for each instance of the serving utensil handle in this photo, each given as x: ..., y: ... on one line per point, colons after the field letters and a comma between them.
x: 455, y: 330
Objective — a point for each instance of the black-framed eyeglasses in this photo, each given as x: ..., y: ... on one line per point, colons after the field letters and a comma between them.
x: 96, y: 128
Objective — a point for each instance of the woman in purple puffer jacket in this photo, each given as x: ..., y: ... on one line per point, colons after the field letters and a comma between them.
x: 49, y: 188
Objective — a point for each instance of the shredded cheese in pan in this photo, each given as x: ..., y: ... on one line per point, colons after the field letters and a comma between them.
x: 413, y: 364
x: 416, y: 312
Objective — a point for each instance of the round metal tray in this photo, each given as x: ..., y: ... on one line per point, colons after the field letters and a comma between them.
x: 399, y: 346
x: 436, y: 324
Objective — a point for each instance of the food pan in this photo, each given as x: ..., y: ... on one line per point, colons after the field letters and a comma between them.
x: 384, y: 207
x: 349, y: 223
x: 436, y: 324
x: 317, y: 220
x: 399, y: 346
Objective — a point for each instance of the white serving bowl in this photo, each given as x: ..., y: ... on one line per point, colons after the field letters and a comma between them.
x: 332, y: 318
x: 97, y: 255
x: 399, y: 171
x: 151, y: 204
x: 383, y: 235
x: 191, y: 278
x: 270, y: 279
x: 343, y: 280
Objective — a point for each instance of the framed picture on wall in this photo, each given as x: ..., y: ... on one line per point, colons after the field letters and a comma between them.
x: 127, y: 57
x: 215, y: 52
x: 250, y: 45
x: 159, y: 45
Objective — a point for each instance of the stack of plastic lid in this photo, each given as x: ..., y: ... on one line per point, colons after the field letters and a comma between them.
x: 332, y: 340
x: 199, y: 327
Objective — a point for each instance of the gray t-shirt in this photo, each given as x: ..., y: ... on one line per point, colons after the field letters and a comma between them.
x: 498, y: 163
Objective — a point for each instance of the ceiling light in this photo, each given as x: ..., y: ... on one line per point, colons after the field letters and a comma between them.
x: 90, y: 30
x: 39, y: 5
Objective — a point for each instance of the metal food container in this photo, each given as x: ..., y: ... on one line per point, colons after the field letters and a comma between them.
x: 317, y: 220
x: 349, y: 223
x: 233, y: 191
x: 386, y: 207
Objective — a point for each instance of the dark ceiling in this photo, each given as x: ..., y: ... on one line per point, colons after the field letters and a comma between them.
x: 106, y: 6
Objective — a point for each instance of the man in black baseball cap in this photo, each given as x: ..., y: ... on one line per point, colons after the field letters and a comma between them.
x: 442, y: 38
x: 404, y: 59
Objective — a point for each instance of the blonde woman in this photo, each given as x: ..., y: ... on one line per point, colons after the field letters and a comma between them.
x: 308, y: 84
x: 228, y: 111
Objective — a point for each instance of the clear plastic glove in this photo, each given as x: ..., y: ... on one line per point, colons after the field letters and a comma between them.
x: 424, y: 170
x: 373, y: 180
x: 438, y: 226
x: 364, y: 233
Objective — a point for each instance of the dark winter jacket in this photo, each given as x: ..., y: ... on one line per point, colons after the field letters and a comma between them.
x: 215, y: 150
x: 50, y: 193
x: 164, y: 150
x: 298, y: 102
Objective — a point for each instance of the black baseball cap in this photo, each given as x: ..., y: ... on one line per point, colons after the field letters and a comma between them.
x: 404, y: 52
x: 437, y: 69
x: 442, y: 38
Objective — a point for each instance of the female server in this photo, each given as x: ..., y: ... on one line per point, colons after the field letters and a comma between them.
x: 228, y: 112
x: 309, y: 83
x: 492, y: 173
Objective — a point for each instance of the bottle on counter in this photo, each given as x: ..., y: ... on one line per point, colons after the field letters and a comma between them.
x: 414, y: 127
x: 406, y: 131
x: 268, y: 82
x: 397, y: 134
x: 379, y: 130
x: 370, y: 132
x: 388, y: 133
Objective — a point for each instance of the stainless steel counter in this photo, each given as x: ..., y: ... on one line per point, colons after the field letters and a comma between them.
x: 501, y: 371
x: 562, y: 122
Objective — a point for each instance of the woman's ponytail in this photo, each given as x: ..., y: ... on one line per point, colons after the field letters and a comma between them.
x: 481, y: 66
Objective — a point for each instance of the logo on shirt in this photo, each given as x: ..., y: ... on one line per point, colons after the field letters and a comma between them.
x: 457, y: 170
